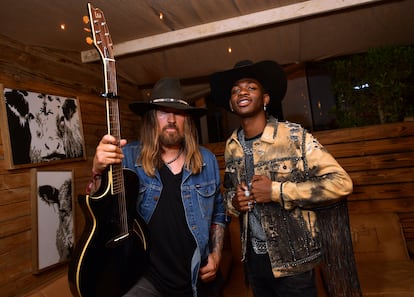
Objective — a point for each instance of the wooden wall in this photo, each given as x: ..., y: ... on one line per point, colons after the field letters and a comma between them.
x: 379, y: 159
x: 57, y: 73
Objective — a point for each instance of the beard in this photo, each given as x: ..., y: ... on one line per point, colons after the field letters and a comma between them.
x: 171, y: 138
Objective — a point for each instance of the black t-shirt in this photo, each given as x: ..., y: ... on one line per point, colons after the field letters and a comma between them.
x: 171, y: 243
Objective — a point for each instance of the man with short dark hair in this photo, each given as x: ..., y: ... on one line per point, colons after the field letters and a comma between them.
x: 276, y: 172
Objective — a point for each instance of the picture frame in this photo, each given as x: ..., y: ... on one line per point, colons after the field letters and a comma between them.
x: 40, y: 128
x: 53, y: 218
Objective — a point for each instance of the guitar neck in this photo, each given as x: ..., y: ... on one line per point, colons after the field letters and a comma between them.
x: 103, y: 43
x: 113, y: 121
x: 110, y: 77
x: 115, y: 170
x: 112, y: 108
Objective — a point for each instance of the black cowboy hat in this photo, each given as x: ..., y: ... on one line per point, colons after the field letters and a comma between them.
x: 167, y: 94
x: 268, y: 73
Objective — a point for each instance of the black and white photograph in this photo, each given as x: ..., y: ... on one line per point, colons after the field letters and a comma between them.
x: 42, y: 128
x: 53, y: 220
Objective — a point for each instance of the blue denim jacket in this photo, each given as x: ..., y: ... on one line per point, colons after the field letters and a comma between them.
x: 202, y: 200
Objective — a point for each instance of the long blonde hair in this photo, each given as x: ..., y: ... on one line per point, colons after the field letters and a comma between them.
x: 151, y: 149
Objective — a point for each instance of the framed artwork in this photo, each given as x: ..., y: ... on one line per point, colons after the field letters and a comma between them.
x: 40, y: 128
x: 53, y: 216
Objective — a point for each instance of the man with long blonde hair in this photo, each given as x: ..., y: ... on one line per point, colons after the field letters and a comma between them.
x: 179, y: 194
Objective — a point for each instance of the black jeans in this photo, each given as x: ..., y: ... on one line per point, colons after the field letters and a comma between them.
x: 264, y: 284
x: 143, y: 288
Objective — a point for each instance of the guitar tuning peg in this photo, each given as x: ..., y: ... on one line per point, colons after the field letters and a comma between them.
x: 87, y: 30
x: 85, y: 19
x: 89, y: 40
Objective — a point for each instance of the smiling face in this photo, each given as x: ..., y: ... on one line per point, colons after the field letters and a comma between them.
x: 248, y: 97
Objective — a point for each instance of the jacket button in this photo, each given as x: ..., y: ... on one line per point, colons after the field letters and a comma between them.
x: 156, y: 198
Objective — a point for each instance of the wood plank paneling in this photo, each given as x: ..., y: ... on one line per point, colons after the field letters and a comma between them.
x: 14, y: 195
x: 371, y: 147
x: 61, y: 73
x: 381, y: 176
x: 396, y: 205
x: 15, y: 226
x: 382, y: 191
x: 383, y: 161
x: 349, y: 135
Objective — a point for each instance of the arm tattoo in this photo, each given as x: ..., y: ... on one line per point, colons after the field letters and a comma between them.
x: 216, y: 239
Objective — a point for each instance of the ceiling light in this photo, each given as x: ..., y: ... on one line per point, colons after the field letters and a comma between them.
x: 229, y: 50
x: 62, y: 26
x: 161, y: 15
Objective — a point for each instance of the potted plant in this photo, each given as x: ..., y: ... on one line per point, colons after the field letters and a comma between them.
x: 375, y: 87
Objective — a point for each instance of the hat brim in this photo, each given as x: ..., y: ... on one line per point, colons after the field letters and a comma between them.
x: 268, y: 73
x: 140, y: 108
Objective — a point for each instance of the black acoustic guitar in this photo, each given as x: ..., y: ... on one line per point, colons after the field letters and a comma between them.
x: 112, y: 251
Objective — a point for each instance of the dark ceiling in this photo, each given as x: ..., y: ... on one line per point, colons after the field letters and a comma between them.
x: 192, y: 39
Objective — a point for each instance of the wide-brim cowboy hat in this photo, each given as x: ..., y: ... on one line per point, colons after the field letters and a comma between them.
x: 268, y: 73
x: 167, y: 95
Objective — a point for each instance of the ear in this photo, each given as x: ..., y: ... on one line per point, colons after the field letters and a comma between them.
x: 266, y: 99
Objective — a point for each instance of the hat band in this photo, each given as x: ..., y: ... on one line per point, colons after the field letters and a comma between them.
x: 169, y: 100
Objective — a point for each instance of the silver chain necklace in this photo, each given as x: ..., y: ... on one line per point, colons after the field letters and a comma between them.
x: 175, y: 159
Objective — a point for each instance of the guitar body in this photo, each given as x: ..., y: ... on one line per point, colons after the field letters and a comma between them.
x: 107, y: 262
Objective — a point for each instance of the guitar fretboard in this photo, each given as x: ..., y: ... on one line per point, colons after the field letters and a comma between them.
x: 114, y: 130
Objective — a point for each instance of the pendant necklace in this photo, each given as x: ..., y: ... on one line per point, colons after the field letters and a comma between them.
x: 175, y: 159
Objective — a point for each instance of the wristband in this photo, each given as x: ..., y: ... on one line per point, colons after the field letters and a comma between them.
x: 96, y: 175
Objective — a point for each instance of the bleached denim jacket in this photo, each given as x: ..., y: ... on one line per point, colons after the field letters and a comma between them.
x: 201, y: 196
x: 303, y: 175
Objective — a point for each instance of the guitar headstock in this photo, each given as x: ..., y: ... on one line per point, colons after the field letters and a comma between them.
x: 103, y: 43
x: 100, y: 33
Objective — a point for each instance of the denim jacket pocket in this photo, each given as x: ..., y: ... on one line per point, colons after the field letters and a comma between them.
x: 147, y: 205
x: 205, y: 195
